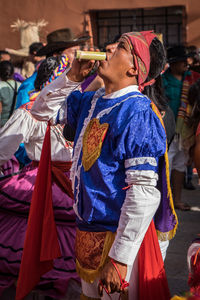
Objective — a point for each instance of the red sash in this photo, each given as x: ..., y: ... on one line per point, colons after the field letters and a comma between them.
x: 41, y: 244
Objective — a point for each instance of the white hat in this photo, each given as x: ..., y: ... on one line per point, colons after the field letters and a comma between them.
x: 29, y: 33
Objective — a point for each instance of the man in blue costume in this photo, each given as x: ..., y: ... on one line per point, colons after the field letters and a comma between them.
x: 119, y: 145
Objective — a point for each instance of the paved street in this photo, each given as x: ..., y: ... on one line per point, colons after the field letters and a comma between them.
x: 189, y: 227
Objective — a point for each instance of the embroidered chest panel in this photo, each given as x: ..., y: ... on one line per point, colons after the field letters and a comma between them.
x: 92, y: 142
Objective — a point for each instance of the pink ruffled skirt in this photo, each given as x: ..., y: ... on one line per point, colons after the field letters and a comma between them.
x: 15, y: 197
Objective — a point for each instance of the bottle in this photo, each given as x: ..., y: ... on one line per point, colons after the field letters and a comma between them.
x: 90, y: 55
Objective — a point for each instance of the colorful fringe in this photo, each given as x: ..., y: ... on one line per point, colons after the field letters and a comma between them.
x: 63, y: 65
x: 178, y: 298
x: 32, y: 96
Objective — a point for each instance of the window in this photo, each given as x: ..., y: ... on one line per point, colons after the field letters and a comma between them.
x: 170, y: 21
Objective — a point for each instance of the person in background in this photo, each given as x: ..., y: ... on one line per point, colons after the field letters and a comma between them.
x: 23, y: 95
x: 59, y: 42
x: 28, y: 84
x: 8, y: 91
x: 13, y: 165
x: 194, y: 99
x: 176, y: 82
x: 62, y: 41
x: 33, y: 49
x: 193, y: 60
x: 197, y: 152
x: 4, y: 55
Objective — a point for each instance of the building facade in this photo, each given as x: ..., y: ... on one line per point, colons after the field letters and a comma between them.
x: 177, y: 20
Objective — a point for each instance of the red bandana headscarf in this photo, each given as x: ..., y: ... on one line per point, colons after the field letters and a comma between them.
x: 139, y: 43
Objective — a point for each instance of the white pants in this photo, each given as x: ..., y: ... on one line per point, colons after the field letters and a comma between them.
x: 91, y: 289
x: 177, y: 157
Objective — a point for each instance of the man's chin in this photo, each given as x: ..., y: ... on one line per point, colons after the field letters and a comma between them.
x: 103, y: 69
x: 100, y: 72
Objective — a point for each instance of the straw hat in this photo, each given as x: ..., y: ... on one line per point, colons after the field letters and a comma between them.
x: 29, y: 33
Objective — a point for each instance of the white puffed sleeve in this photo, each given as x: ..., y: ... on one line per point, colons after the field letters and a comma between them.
x: 52, y: 98
x: 17, y: 130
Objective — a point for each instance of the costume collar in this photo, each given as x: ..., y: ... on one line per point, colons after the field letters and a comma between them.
x: 122, y: 92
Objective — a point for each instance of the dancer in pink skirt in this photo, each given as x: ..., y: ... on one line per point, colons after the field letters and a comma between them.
x: 16, y: 191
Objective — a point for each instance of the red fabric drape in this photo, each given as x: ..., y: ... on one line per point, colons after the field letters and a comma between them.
x: 153, y: 283
x: 41, y: 244
x: 58, y: 170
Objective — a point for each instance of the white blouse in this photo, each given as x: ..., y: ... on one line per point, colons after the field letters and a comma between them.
x: 22, y: 127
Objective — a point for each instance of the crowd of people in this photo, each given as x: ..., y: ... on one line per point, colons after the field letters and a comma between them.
x: 96, y: 214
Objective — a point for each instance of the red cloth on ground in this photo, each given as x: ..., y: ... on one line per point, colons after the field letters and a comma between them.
x: 41, y: 244
x: 153, y: 283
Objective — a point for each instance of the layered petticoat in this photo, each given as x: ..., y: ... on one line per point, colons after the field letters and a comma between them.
x: 15, y: 197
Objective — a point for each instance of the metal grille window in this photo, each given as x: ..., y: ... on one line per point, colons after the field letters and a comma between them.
x: 170, y: 21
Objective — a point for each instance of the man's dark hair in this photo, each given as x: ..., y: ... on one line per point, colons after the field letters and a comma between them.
x: 34, y: 47
x: 157, y: 63
x: 155, y: 92
x: 45, y: 70
x: 6, y: 70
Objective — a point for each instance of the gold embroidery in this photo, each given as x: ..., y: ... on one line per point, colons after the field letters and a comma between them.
x: 89, y: 248
x: 92, y: 142
x: 90, y: 262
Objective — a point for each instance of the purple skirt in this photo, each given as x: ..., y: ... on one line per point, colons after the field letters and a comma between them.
x: 11, y: 166
x: 15, y: 197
